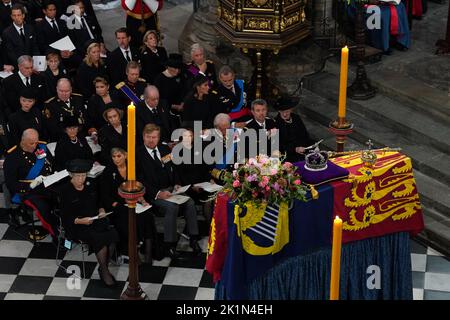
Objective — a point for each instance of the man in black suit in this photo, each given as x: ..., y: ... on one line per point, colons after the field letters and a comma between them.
x: 155, y: 170
x: 153, y: 110
x: 83, y: 28
x: 264, y: 127
x: 19, y: 38
x: 118, y: 59
x: 5, y: 14
x: 50, y: 29
x: 14, y: 84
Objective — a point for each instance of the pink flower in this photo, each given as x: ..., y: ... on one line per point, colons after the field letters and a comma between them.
x: 287, y: 165
x: 297, y: 182
x: 276, y: 186
x: 236, y: 183
x: 267, y: 188
x: 252, y: 161
x: 252, y: 178
x: 273, y: 172
x: 234, y: 173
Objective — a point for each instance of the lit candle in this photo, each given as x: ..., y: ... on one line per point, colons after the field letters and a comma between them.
x: 343, y: 83
x: 336, y: 259
x: 131, y: 142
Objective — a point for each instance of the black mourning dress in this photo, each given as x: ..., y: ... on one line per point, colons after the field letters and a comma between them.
x: 110, y: 180
x: 80, y: 204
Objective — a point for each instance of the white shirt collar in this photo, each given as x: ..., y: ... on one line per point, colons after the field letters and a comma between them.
x: 23, y: 78
x: 150, y: 151
x: 18, y: 28
x: 150, y: 108
x: 49, y: 20
x: 262, y: 124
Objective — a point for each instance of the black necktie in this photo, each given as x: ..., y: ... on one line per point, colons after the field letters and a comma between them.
x: 155, y: 157
x: 54, y: 26
x: 27, y: 81
x: 127, y: 56
x: 22, y: 35
x: 154, y: 111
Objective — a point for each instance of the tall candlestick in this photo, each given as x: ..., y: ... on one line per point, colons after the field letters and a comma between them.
x: 343, y: 83
x: 131, y: 142
x: 336, y: 259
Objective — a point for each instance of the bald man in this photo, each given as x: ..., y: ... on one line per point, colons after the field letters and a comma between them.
x: 154, y: 110
x: 25, y: 166
x: 65, y: 104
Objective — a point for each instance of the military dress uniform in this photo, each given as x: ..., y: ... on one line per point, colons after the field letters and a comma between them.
x: 138, y: 11
x: 138, y: 89
x: 56, y: 110
x: 17, y: 166
x: 233, y: 103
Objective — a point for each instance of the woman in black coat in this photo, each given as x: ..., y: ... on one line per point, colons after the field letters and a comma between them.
x: 199, y: 105
x: 71, y: 145
x: 79, y: 202
x: 113, y: 134
x: 54, y: 72
x: 110, y: 180
x: 102, y: 100
x: 153, y: 58
x: 91, y: 68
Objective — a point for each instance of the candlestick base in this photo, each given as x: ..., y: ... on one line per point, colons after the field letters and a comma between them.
x: 341, y: 129
x: 132, y: 191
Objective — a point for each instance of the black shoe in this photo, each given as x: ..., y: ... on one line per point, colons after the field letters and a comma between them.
x: 26, y: 216
x: 195, y: 247
x: 173, y: 253
x: 13, y: 220
x: 108, y: 285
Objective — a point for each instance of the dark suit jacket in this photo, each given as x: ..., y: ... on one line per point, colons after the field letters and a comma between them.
x: 14, y: 46
x: 153, y: 175
x: 80, y: 36
x: 117, y: 64
x: 5, y: 16
x: 46, y: 35
x: 162, y: 119
x: 12, y: 87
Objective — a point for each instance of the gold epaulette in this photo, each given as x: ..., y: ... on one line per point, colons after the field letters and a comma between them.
x: 77, y: 94
x: 43, y: 142
x: 142, y: 80
x: 47, y: 101
x: 120, y: 85
x: 210, y: 61
x: 12, y: 149
x: 214, y: 91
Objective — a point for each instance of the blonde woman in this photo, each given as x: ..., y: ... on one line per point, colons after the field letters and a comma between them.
x: 153, y: 58
x: 91, y: 67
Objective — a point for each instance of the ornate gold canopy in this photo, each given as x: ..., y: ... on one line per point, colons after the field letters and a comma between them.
x: 263, y: 24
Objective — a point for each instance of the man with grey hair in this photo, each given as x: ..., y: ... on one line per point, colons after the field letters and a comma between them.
x: 64, y: 105
x: 199, y: 65
x: 14, y: 85
x: 154, y: 110
x: 25, y: 166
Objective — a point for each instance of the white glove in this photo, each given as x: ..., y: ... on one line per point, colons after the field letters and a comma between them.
x: 37, y: 181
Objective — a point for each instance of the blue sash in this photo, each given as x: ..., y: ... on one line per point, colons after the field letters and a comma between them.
x: 229, y: 154
x: 128, y: 92
x: 35, y: 170
x: 240, y: 84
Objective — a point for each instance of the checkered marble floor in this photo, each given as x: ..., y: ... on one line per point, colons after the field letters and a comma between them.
x: 30, y: 272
